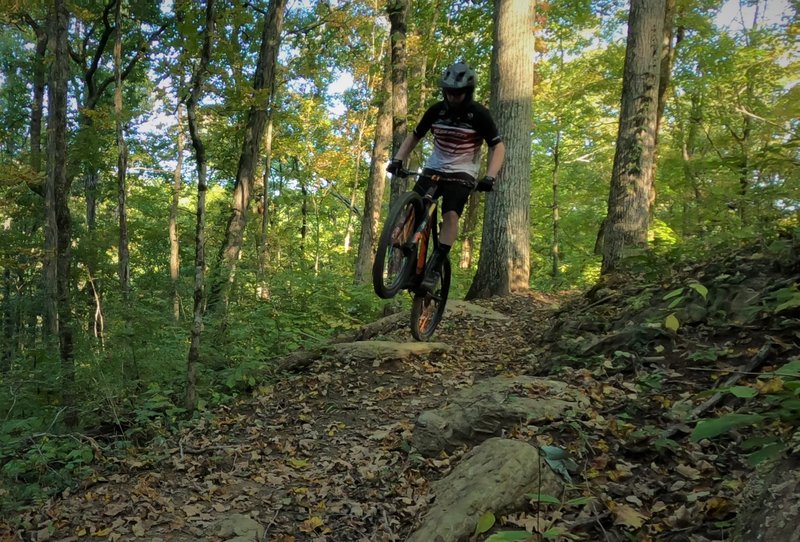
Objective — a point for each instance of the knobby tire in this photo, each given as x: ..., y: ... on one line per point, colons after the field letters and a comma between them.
x: 396, y: 243
x: 428, y: 308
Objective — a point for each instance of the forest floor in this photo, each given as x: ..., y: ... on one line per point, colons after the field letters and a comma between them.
x: 324, y: 455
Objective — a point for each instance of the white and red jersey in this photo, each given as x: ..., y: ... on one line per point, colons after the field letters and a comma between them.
x: 457, y: 137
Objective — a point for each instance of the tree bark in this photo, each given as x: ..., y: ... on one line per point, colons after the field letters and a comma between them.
x: 504, y: 264
x: 398, y: 13
x: 668, y: 45
x: 193, y: 359
x: 628, y: 217
x: 251, y: 148
x: 174, y: 242
x: 555, y: 248
x: 468, y: 228
x: 373, y: 197
x: 57, y: 199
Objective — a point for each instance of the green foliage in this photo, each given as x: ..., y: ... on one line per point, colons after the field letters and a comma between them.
x: 35, y: 464
x: 779, y: 392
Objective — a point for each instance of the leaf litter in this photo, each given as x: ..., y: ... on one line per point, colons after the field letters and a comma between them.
x: 324, y: 455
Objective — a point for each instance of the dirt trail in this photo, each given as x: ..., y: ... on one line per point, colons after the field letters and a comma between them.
x: 321, y: 456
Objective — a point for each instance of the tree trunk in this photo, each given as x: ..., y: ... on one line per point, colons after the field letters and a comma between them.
x: 628, y: 217
x: 193, y: 359
x: 373, y: 197
x: 504, y: 264
x: 555, y: 250
x: 57, y: 199
x: 251, y: 148
x: 468, y: 227
x: 398, y: 12
x: 122, y: 158
x: 174, y: 243
x: 664, y: 77
x: 263, y: 247
x: 49, y: 327
x: 37, y: 106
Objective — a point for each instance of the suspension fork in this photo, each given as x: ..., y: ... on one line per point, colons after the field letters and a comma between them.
x: 423, y: 234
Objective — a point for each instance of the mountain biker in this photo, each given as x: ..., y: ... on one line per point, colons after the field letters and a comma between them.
x: 459, y: 127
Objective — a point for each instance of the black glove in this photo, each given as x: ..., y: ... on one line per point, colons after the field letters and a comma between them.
x: 486, y: 184
x: 395, y: 166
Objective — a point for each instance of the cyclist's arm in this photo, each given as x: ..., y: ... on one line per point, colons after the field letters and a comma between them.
x: 408, y: 145
x: 497, y: 154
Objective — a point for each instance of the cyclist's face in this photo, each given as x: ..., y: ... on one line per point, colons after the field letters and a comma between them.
x: 455, y: 96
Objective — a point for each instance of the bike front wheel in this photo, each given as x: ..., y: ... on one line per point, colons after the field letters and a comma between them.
x: 396, y: 253
x: 428, y: 307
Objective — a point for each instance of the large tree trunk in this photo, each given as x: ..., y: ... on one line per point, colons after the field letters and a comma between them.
x: 373, y: 197
x: 629, y: 198
x: 251, y: 148
x: 200, y: 232
x: 57, y: 198
x: 504, y: 264
x: 174, y: 243
x: 398, y: 12
x: 122, y: 158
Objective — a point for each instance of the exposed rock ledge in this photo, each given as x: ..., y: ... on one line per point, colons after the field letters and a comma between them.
x: 494, y: 477
x: 487, y: 408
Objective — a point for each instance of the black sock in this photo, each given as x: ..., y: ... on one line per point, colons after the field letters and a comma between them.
x: 440, y: 256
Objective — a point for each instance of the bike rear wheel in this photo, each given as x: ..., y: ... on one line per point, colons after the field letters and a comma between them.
x: 396, y: 253
x: 428, y: 308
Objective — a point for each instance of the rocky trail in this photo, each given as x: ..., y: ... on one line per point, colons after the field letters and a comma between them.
x: 530, y: 417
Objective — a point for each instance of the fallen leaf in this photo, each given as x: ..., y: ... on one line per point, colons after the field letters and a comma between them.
x: 688, y: 472
x: 311, y: 524
x: 627, y: 516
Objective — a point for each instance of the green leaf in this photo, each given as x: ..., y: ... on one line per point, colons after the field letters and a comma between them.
x: 673, y: 293
x: 579, y: 501
x: 672, y: 323
x: 510, y: 536
x: 717, y: 426
x: 553, y: 532
x: 547, y: 499
x: 790, y: 369
x: 743, y: 391
x: 765, y: 453
x: 700, y: 289
x: 485, y: 523
x: 553, y: 452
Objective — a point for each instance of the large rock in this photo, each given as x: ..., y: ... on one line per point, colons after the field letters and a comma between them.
x: 485, y: 409
x: 240, y: 528
x: 494, y: 477
x: 770, y: 507
x: 465, y: 308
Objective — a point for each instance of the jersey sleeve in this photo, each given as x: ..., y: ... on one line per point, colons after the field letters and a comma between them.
x: 426, y: 122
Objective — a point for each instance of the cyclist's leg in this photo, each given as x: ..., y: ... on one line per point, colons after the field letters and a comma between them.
x: 454, y: 198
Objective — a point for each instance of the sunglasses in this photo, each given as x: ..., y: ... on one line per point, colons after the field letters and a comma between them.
x: 455, y: 91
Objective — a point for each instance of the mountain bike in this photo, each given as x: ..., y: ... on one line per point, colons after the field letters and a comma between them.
x: 402, y: 258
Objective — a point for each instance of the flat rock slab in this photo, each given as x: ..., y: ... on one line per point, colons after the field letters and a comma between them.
x: 474, y: 414
x: 454, y: 306
x: 388, y: 349
x: 240, y: 528
x: 494, y: 477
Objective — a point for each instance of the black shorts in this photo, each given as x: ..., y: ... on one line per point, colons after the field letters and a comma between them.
x: 454, y: 193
